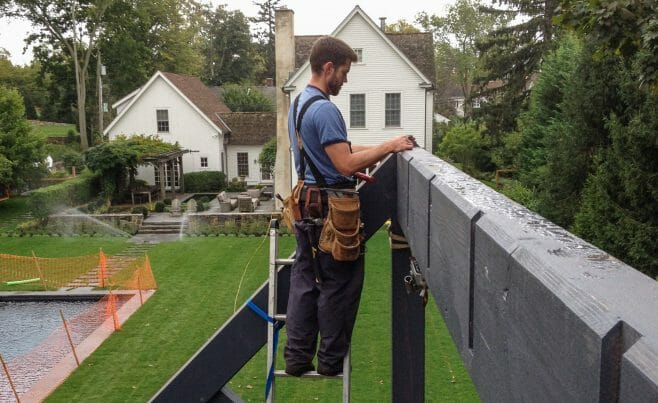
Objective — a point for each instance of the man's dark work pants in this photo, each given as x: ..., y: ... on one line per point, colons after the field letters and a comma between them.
x: 328, y: 308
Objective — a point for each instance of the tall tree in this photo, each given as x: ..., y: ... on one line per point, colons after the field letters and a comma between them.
x: 74, y: 27
x: 21, y: 151
x: 455, y: 38
x: 511, y: 56
x: 230, y: 54
x: 265, y: 34
x: 26, y: 80
x: 144, y: 36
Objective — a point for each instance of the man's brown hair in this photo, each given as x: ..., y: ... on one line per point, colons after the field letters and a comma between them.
x: 330, y: 49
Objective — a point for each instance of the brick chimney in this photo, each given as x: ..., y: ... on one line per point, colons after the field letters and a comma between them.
x: 382, y: 23
x: 284, y: 53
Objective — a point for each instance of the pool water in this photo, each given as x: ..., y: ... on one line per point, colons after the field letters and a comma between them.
x: 25, y: 324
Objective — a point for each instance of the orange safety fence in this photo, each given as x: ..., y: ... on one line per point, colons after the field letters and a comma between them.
x: 38, y: 273
x: 125, y: 278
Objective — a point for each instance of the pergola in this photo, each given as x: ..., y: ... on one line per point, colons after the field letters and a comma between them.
x: 166, y: 162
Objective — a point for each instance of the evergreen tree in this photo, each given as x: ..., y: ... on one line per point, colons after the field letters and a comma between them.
x: 265, y: 34
x: 619, y: 211
x: 511, y: 56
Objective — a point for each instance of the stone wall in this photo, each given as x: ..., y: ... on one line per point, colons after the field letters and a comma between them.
x: 229, y: 223
x: 90, y: 224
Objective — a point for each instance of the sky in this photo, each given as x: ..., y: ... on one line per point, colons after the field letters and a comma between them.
x: 311, y: 17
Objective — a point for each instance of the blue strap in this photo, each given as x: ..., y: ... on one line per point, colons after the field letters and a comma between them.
x: 277, y: 326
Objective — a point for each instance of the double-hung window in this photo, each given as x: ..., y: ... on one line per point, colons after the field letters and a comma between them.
x: 243, y: 164
x: 392, y: 110
x: 358, y: 110
x: 162, y: 117
x: 204, y: 162
x: 359, y: 55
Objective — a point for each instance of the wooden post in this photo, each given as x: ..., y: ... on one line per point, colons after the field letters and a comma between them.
x: 68, y: 334
x: 408, y: 333
x: 11, y: 383
x: 181, y: 173
x: 36, y: 263
x: 161, y: 174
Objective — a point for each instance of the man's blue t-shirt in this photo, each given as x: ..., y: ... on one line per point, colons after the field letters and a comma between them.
x: 322, y: 125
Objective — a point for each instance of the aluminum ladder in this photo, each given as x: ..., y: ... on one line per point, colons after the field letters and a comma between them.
x: 271, y: 310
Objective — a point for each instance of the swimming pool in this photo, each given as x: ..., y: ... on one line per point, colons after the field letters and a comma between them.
x: 26, y: 324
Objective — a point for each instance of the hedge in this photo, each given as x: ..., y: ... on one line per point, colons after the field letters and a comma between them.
x: 45, y: 201
x: 202, y: 182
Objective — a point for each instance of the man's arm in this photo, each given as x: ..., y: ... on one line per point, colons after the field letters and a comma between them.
x: 361, y: 157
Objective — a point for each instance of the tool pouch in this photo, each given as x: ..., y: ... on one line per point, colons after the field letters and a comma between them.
x: 341, y: 234
x: 291, y: 211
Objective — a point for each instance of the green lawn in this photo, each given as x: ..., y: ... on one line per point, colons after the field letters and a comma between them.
x: 54, y: 130
x: 198, y: 285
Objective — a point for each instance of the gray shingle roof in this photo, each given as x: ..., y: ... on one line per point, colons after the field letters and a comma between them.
x: 250, y: 128
x: 201, y: 96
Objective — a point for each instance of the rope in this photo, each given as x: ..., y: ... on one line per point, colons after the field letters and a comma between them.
x: 244, y: 272
x: 277, y: 326
x: 397, y: 241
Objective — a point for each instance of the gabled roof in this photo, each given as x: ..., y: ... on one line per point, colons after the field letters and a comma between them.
x: 417, y: 49
x: 250, y: 128
x: 200, y: 97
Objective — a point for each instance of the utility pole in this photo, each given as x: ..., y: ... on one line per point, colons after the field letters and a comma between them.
x: 100, y: 72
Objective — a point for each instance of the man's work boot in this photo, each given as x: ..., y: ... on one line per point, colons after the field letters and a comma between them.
x: 298, y: 370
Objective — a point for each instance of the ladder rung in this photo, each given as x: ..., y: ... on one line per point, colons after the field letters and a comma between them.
x: 284, y: 262
x: 280, y: 317
x: 310, y: 374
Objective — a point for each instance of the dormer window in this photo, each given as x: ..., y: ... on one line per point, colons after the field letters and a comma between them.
x: 359, y: 55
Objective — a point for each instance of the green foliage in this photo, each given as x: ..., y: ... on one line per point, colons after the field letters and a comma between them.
x: 143, y: 210
x: 21, y: 152
x: 619, y: 28
x: 117, y: 161
x: 144, y: 36
x: 26, y: 80
x: 511, y: 55
x: 232, y: 57
x: 159, y: 207
x: 267, y: 156
x: 79, y: 190
x: 245, y: 99
x: 455, y: 38
x: 236, y: 185
x: 206, y: 181
x: 619, y: 212
x: 265, y: 25
x: 466, y: 144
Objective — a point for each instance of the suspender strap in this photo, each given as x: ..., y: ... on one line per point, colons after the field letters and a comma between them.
x: 303, y: 156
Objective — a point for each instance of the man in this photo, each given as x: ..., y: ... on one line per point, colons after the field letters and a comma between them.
x: 325, y: 293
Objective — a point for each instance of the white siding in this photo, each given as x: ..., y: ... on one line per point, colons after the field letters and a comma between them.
x: 186, y: 126
x: 382, y: 71
x: 254, y: 167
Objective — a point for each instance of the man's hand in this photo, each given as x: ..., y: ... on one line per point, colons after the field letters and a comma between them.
x: 347, y: 162
x: 401, y: 143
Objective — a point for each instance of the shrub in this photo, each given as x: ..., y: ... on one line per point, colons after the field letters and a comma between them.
x: 204, y: 199
x: 207, y: 181
x: 81, y: 189
x: 159, y: 207
x: 167, y: 201
x: 141, y: 210
x: 72, y: 137
x: 236, y: 185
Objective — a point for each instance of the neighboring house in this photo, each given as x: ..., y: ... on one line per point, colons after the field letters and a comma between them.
x: 181, y: 109
x: 390, y: 88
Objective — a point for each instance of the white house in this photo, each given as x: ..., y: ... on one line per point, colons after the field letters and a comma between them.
x: 389, y: 90
x: 181, y: 109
